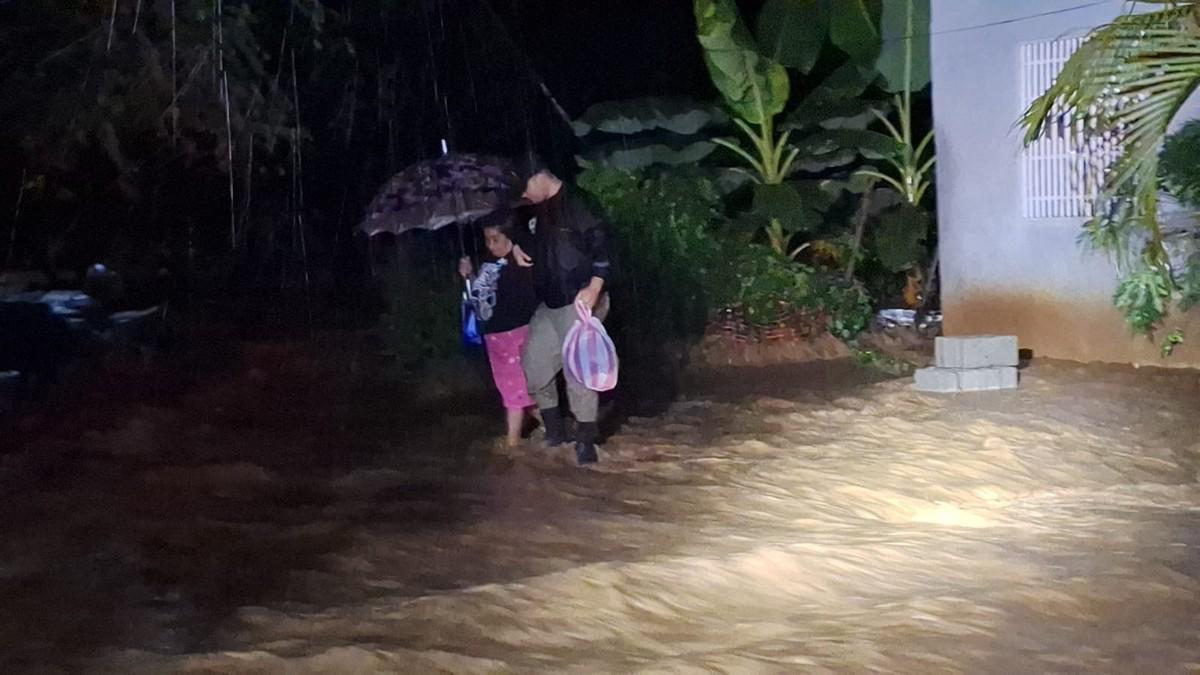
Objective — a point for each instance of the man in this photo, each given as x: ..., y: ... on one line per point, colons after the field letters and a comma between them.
x: 568, y: 245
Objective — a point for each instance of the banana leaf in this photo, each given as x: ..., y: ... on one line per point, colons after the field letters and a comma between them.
x: 853, y: 28
x: 754, y: 86
x: 895, y: 37
x: 851, y: 113
x: 633, y: 154
x: 792, y: 32
x: 869, y: 144
x: 900, y: 237
x: 652, y: 113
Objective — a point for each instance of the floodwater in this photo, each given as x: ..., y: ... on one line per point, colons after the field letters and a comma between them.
x: 801, y: 519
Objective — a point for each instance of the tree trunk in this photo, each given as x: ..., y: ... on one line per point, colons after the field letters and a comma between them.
x: 860, y: 227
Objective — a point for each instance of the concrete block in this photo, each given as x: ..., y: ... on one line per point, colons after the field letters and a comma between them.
x: 978, y: 351
x: 987, y: 379
x: 953, y: 380
x: 936, y: 380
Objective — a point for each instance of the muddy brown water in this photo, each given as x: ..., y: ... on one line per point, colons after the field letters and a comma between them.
x: 812, y: 518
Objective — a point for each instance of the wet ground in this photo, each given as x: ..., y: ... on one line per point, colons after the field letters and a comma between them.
x: 799, y: 519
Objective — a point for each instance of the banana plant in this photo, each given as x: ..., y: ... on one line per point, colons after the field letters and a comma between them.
x: 904, y: 65
x: 750, y: 73
x: 756, y: 88
x: 772, y: 157
x: 771, y: 162
x: 914, y: 165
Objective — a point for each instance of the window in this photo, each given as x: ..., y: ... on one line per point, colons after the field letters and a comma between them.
x: 1062, y: 170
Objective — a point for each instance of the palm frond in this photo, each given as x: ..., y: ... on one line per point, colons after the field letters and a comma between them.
x: 1124, y: 86
x: 1128, y: 80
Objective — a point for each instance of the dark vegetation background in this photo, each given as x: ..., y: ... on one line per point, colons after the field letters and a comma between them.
x: 366, y: 87
x: 220, y: 166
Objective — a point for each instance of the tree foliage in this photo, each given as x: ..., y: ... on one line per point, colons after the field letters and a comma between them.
x: 231, y: 138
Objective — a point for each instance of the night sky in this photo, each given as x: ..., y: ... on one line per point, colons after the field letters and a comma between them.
x: 590, y: 51
x: 487, y: 57
x: 470, y: 68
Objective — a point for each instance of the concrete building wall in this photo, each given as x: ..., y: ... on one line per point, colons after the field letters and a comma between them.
x: 1001, y: 272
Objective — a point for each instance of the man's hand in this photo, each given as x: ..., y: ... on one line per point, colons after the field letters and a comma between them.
x: 590, y: 294
x: 465, y: 268
x: 521, y: 257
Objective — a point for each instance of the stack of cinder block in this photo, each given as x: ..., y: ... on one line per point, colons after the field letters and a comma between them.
x: 975, y: 363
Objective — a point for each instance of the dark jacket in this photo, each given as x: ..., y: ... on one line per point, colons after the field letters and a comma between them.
x: 569, y: 245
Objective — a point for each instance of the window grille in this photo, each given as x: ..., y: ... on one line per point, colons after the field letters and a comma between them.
x: 1062, y: 170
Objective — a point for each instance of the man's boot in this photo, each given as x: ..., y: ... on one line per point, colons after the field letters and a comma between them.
x: 556, y: 432
x: 585, y: 444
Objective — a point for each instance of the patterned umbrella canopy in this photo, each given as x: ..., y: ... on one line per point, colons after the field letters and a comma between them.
x: 433, y: 194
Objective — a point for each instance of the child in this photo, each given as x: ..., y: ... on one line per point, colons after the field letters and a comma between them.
x: 504, y: 299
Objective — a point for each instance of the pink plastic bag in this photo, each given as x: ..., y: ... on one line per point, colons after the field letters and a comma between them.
x: 588, y: 353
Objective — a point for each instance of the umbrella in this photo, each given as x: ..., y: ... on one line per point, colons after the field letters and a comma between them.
x: 453, y: 188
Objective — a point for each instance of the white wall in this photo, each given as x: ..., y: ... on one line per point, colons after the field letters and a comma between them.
x: 1000, y: 271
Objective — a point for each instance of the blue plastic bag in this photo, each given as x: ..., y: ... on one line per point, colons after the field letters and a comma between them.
x: 471, y: 335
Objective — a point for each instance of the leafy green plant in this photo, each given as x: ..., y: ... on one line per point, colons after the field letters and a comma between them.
x: 1143, y: 296
x: 1179, y: 164
x: 869, y: 358
x: 756, y: 87
x: 832, y: 122
x: 900, y: 236
x: 913, y: 165
x: 1179, y: 173
x: 1173, y: 340
x: 769, y: 286
x: 676, y: 265
x: 847, y: 307
x: 904, y: 65
x: 765, y: 284
x: 668, y: 250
